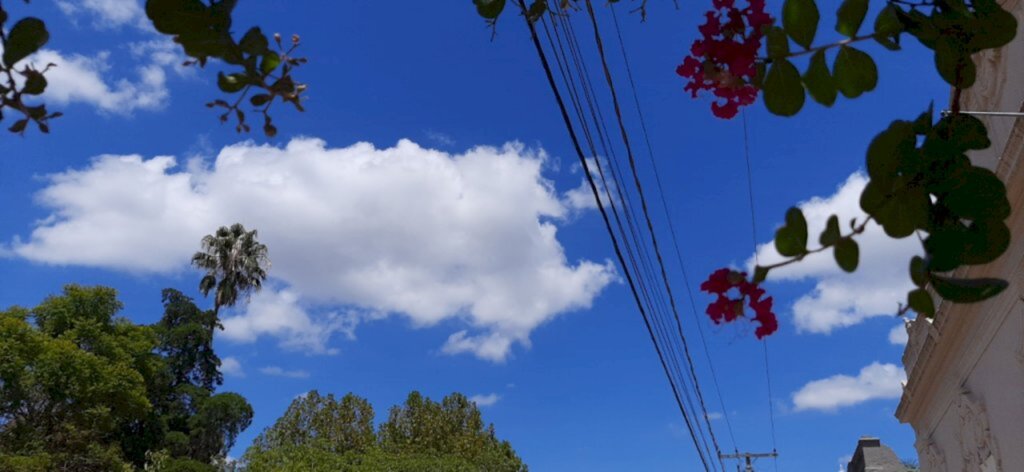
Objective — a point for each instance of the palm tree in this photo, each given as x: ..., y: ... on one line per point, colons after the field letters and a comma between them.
x: 235, y: 264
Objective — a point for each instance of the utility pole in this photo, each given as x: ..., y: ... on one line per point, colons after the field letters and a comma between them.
x: 748, y: 457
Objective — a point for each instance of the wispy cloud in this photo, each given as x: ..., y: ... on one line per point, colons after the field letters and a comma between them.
x: 485, y: 400
x: 279, y: 372
x: 231, y: 367
x: 876, y: 381
x: 105, y: 14
x: 898, y: 335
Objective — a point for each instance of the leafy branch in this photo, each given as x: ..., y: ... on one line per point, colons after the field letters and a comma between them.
x: 23, y: 39
x: 204, y: 31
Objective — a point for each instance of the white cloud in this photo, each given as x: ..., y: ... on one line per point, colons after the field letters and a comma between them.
x: 404, y: 230
x: 714, y: 415
x: 279, y: 372
x: 81, y: 79
x: 840, y: 299
x: 876, y: 381
x: 231, y: 367
x: 485, y: 400
x: 898, y: 335
x: 106, y: 13
x: 279, y: 314
x: 581, y: 198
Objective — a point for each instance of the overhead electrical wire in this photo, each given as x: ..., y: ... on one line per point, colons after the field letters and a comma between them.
x: 753, y: 233
x: 631, y: 248
x: 646, y: 214
x: 598, y: 118
x: 608, y: 226
x: 656, y: 302
x: 671, y: 226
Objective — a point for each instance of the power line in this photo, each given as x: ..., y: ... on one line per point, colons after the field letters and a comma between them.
x: 615, y: 243
x: 671, y: 226
x: 643, y: 204
x: 598, y: 118
x: 753, y: 232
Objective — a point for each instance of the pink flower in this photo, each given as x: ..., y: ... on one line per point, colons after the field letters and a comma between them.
x: 726, y: 309
x: 724, y: 60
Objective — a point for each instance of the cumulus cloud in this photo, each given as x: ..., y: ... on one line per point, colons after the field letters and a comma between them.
x: 485, y: 400
x: 876, y: 381
x: 231, y: 367
x: 840, y: 299
x: 279, y: 314
x: 428, y: 235
x: 276, y: 371
x: 898, y: 335
x: 105, y: 14
x: 81, y: 79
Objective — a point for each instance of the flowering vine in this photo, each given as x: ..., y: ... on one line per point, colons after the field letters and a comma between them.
x: 727, y: 309
x: 724, y: 60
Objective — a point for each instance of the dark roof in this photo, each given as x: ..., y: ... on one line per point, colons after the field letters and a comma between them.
x: 873, y: 456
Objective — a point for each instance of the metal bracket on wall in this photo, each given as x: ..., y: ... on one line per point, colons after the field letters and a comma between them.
x: 1012, y: 114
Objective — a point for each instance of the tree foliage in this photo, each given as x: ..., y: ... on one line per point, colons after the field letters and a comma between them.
x: 235, y: 262
x: 204, y: 31
x: 324, y: 433
x: 84, y: 389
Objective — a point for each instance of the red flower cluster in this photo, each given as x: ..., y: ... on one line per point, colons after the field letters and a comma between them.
x: 724, y: 60
x: 728, y: 309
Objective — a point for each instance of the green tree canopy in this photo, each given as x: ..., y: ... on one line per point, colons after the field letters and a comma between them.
x: 322, y: 433
x: 83, y: 389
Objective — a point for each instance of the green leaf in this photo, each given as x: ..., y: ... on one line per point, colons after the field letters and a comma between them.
x: 954, y: 63
x: 985, y: 241
x: 791, y: 239
x: 918, y: 271
x: 489, y: 9
x: 537, y: 10
x: 888, y: 148
x: 783, y: 92
x: 231, y: 83
x: 899, y: 207
x: 993, y: 26
x: 259, y: 99
x: 254, y: 42
x: 919, y: 25
x: 850, y: 16
x: 847, y: 254
x: 966, y: 132
x: 831, y: 233
x: 967, y: 290
x: 35, y: 83
x: 760, y: 273
x: 19, y: 126
x: 800, y: 20
x: 923, y: 123
x: 888, y: 28
x: 177, y: 16
x: 818, y: 80
x: 26, y: 37
x: 778, y: 44
x: 978, y: 194
x: 921, y: 302
x: 270, y: 62
x: 855, y: 72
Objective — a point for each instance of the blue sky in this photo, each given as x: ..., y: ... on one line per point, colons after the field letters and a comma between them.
x: 454, y: 216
